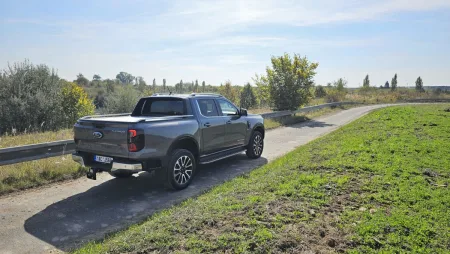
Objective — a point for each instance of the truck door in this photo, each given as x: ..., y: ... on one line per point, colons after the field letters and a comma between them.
x: 212, y: 126
x: 235, y: 125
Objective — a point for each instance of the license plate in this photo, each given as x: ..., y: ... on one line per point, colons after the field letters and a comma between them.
x: 103, y: 159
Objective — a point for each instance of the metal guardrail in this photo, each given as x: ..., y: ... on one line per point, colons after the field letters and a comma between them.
x: 18, y: 154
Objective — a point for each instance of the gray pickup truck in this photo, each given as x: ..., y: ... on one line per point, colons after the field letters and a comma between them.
x: 168, y: 134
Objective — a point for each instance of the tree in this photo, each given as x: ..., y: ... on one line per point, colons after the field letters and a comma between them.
x: 340, y: 84
x: 179, y: 87
x: 290, y: 81
x: 196, y: 86
x: 248, y: 98
x: 109, y: 86
x: 30, y: 98
x: 203, y: 86
x: 154, y: 86
x: 394, y: 82
x: 99, y: 100
x: 366, y: 82
x: 164, y: 85
x: 141, y: 84
x: 386, y: 85
x: 419, y: 85
x: 229, y: 92
x: 96, y: 77
x: 320, y: 92
x: 125, y: 78
x: 262, y: 91
x: 75, y: 103
x: 123, y: 100
x: 81, y: 80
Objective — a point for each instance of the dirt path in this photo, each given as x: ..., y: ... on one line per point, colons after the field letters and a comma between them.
x: 61, y: 217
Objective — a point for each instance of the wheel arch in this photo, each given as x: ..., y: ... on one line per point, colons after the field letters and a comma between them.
x: 185, y: 142
x: 260, y: 128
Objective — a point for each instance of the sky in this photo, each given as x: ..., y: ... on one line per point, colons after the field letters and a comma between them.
x: 222, y: 40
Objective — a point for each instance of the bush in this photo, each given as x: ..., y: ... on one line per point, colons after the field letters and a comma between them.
x: 32, y: 99
x: 75, y: 102
x: 122, y: 100
x: 333, y: 95
x: 320, y: 92
x: 248, y: 98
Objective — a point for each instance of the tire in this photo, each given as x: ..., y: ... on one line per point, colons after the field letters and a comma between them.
x: 121, y: 174
x: 180, y: 170
x: 255, y: 145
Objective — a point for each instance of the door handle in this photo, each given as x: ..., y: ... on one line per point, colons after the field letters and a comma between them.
x: 229, y: 122
x: 207, y: 124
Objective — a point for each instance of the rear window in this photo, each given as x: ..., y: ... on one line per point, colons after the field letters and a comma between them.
x: 162, y: 107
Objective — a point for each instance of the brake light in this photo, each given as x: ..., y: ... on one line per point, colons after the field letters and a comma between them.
x: 132, y: 133
x: 135, y: 140
x: 132, y: 148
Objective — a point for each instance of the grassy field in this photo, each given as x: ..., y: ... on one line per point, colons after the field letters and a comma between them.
x: 379, y: 184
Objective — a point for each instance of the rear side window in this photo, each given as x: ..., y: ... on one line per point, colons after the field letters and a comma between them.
x: 163, y: 107
x: 207, y: 107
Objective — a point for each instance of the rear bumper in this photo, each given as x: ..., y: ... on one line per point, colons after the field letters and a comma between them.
x: 136, y: 167
x: 115, y: 166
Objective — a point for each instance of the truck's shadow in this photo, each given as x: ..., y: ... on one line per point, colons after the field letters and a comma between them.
x: 118, y: 203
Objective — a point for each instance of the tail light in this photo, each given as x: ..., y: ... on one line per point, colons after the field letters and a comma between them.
x: 136, y: 140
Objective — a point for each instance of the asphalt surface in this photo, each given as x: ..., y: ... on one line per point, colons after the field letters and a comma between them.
x: 62, y: 216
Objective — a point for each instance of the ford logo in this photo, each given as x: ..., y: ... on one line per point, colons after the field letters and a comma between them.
x: 97, y: 134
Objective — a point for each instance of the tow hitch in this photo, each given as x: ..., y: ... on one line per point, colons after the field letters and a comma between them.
x: 92, y: 173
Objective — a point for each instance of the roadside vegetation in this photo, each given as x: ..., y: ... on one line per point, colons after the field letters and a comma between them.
x: 38, y: 106
x: 379, y: 184
x: 31, y: 174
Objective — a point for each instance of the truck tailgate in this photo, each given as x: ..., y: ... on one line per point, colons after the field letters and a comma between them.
x: 102, y: 138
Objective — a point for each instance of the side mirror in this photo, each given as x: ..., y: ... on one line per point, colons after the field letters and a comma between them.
x: 243, y: 112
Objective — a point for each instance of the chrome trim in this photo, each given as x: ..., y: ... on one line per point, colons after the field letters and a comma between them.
x: 221, y: 158
x: 129, y: 167
x: 78, y: 159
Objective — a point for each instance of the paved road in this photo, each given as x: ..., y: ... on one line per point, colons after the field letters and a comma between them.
x: 65, y: 215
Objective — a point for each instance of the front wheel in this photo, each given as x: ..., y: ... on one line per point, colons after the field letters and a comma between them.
x: 181, y: 169
x: 255, y: 145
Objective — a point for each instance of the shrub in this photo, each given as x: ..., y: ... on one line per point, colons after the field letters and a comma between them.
x: 334, y: 95
x: 320, y: 92
x: 248, y: 98
x: 122, y: 100
x: 32, y: 98
x: 75, y: 102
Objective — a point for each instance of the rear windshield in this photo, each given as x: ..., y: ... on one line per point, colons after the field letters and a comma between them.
x: 161, y: 107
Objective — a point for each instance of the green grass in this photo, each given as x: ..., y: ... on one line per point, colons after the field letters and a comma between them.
x: 35, y: 138
x: 30, y: 174
x: 377, y: 185
x: 40, y: 172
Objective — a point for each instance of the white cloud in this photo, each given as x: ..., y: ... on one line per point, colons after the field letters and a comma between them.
x: 202, y: 38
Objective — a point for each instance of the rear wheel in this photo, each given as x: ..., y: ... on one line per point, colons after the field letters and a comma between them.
x: 255, y: 145
x: 121, y: 174
x: 180, y: 170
